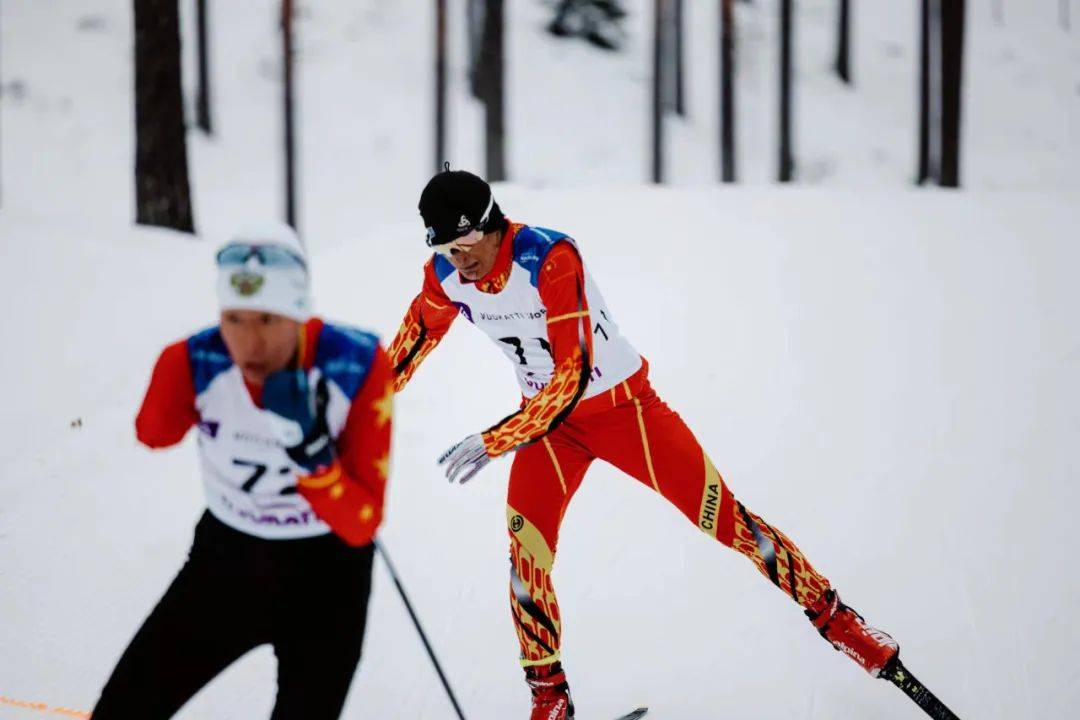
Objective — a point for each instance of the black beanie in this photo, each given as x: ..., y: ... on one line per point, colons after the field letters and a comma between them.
x: 454, y: 203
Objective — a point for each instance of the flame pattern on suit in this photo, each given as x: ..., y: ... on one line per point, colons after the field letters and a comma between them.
x: 634, y: 430
x: 561, y: 287
x: 557, y: 435
x: 532, y: 595
x: 776, y: 557
x: 425, y: 323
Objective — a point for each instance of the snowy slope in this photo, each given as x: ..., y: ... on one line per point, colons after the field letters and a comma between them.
x: 888, y: 375
x: 902, y: 403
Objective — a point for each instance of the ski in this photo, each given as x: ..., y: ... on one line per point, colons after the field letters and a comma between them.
x: 634, y: 714
x: 898, y: 675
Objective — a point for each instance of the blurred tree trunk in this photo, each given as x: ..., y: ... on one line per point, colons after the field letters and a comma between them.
x: 679, y: 52
x: 727, y: 92
x: 289, y: 122
x: 162, y: 192
x: 843, y: 49
x: 202, y: 96
x: 923, y: 172
x: 1, y: 144
x: 952, y: 56
x: 474, y: 26
x: 787, y: 154
x: 440, y: 84
x: 941, y: 91
x: 658, y: 94
x: 491, y: 76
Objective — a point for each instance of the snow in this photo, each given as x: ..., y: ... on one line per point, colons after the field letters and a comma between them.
x: 888, y: 375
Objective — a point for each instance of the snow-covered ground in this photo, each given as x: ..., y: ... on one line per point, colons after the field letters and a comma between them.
x: 889, y: 375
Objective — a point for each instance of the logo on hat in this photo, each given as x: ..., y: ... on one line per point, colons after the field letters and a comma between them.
x: 246, y: 283
x: 463, y: 222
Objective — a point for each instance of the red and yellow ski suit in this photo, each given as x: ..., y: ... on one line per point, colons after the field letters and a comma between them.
x: 557, y: 434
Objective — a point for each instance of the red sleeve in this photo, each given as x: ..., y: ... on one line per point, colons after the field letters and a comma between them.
x: 168, y: 410
x: 349, y: 495
x: 426, y: 322
x: 364, y: 443
x: 562, y: 289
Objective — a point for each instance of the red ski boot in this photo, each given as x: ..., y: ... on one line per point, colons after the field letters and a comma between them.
x: 550, y: 691
x: 846, y: 630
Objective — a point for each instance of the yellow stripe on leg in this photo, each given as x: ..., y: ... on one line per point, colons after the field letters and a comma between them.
x: 555, y: 462
x: 542, y: 661
x: 645, y: 442
x: 709, y: 515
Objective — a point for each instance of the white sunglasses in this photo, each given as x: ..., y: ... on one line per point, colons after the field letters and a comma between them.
x: 464, y: 244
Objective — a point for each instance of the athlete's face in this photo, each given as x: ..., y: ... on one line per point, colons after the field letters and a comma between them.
x: 259, y: 342
x: 478, y: 260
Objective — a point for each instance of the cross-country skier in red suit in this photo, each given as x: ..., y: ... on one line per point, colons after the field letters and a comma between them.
x: 586, y: 395
x: 293, y: 418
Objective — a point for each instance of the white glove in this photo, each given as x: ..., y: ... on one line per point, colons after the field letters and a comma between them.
x: 465, y: 459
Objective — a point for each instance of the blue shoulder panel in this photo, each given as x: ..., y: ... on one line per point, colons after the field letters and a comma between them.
x: 531, y: 246
x: 443, y: 267
x: 344, y: 356
x: 207, y: 357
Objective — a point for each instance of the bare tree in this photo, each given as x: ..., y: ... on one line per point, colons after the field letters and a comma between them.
x: 952, y: 56
x: 678, y: 22
x: 658, y: 84
x: 1, y: 98
x: 727, y: 92
x: 940, y: 91
x: 843, y: 42
x: 440, y: 83
x: 925, y: 20
x: 202, y: 95
x: 474, y: 26
x: 162, y: 191
x: 289, y: 123
x: 787, y: 30
x: 491, y: 80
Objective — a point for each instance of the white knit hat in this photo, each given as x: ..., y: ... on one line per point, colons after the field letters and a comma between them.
x: 279, y: 289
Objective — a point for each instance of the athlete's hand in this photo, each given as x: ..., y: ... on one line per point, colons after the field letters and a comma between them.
x: 465, y: 459
x: 289, y: 395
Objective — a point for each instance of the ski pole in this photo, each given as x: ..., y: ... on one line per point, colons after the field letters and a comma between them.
x: 416, y: 623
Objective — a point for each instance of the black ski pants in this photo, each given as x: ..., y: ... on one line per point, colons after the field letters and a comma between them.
x: 308, y: 598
